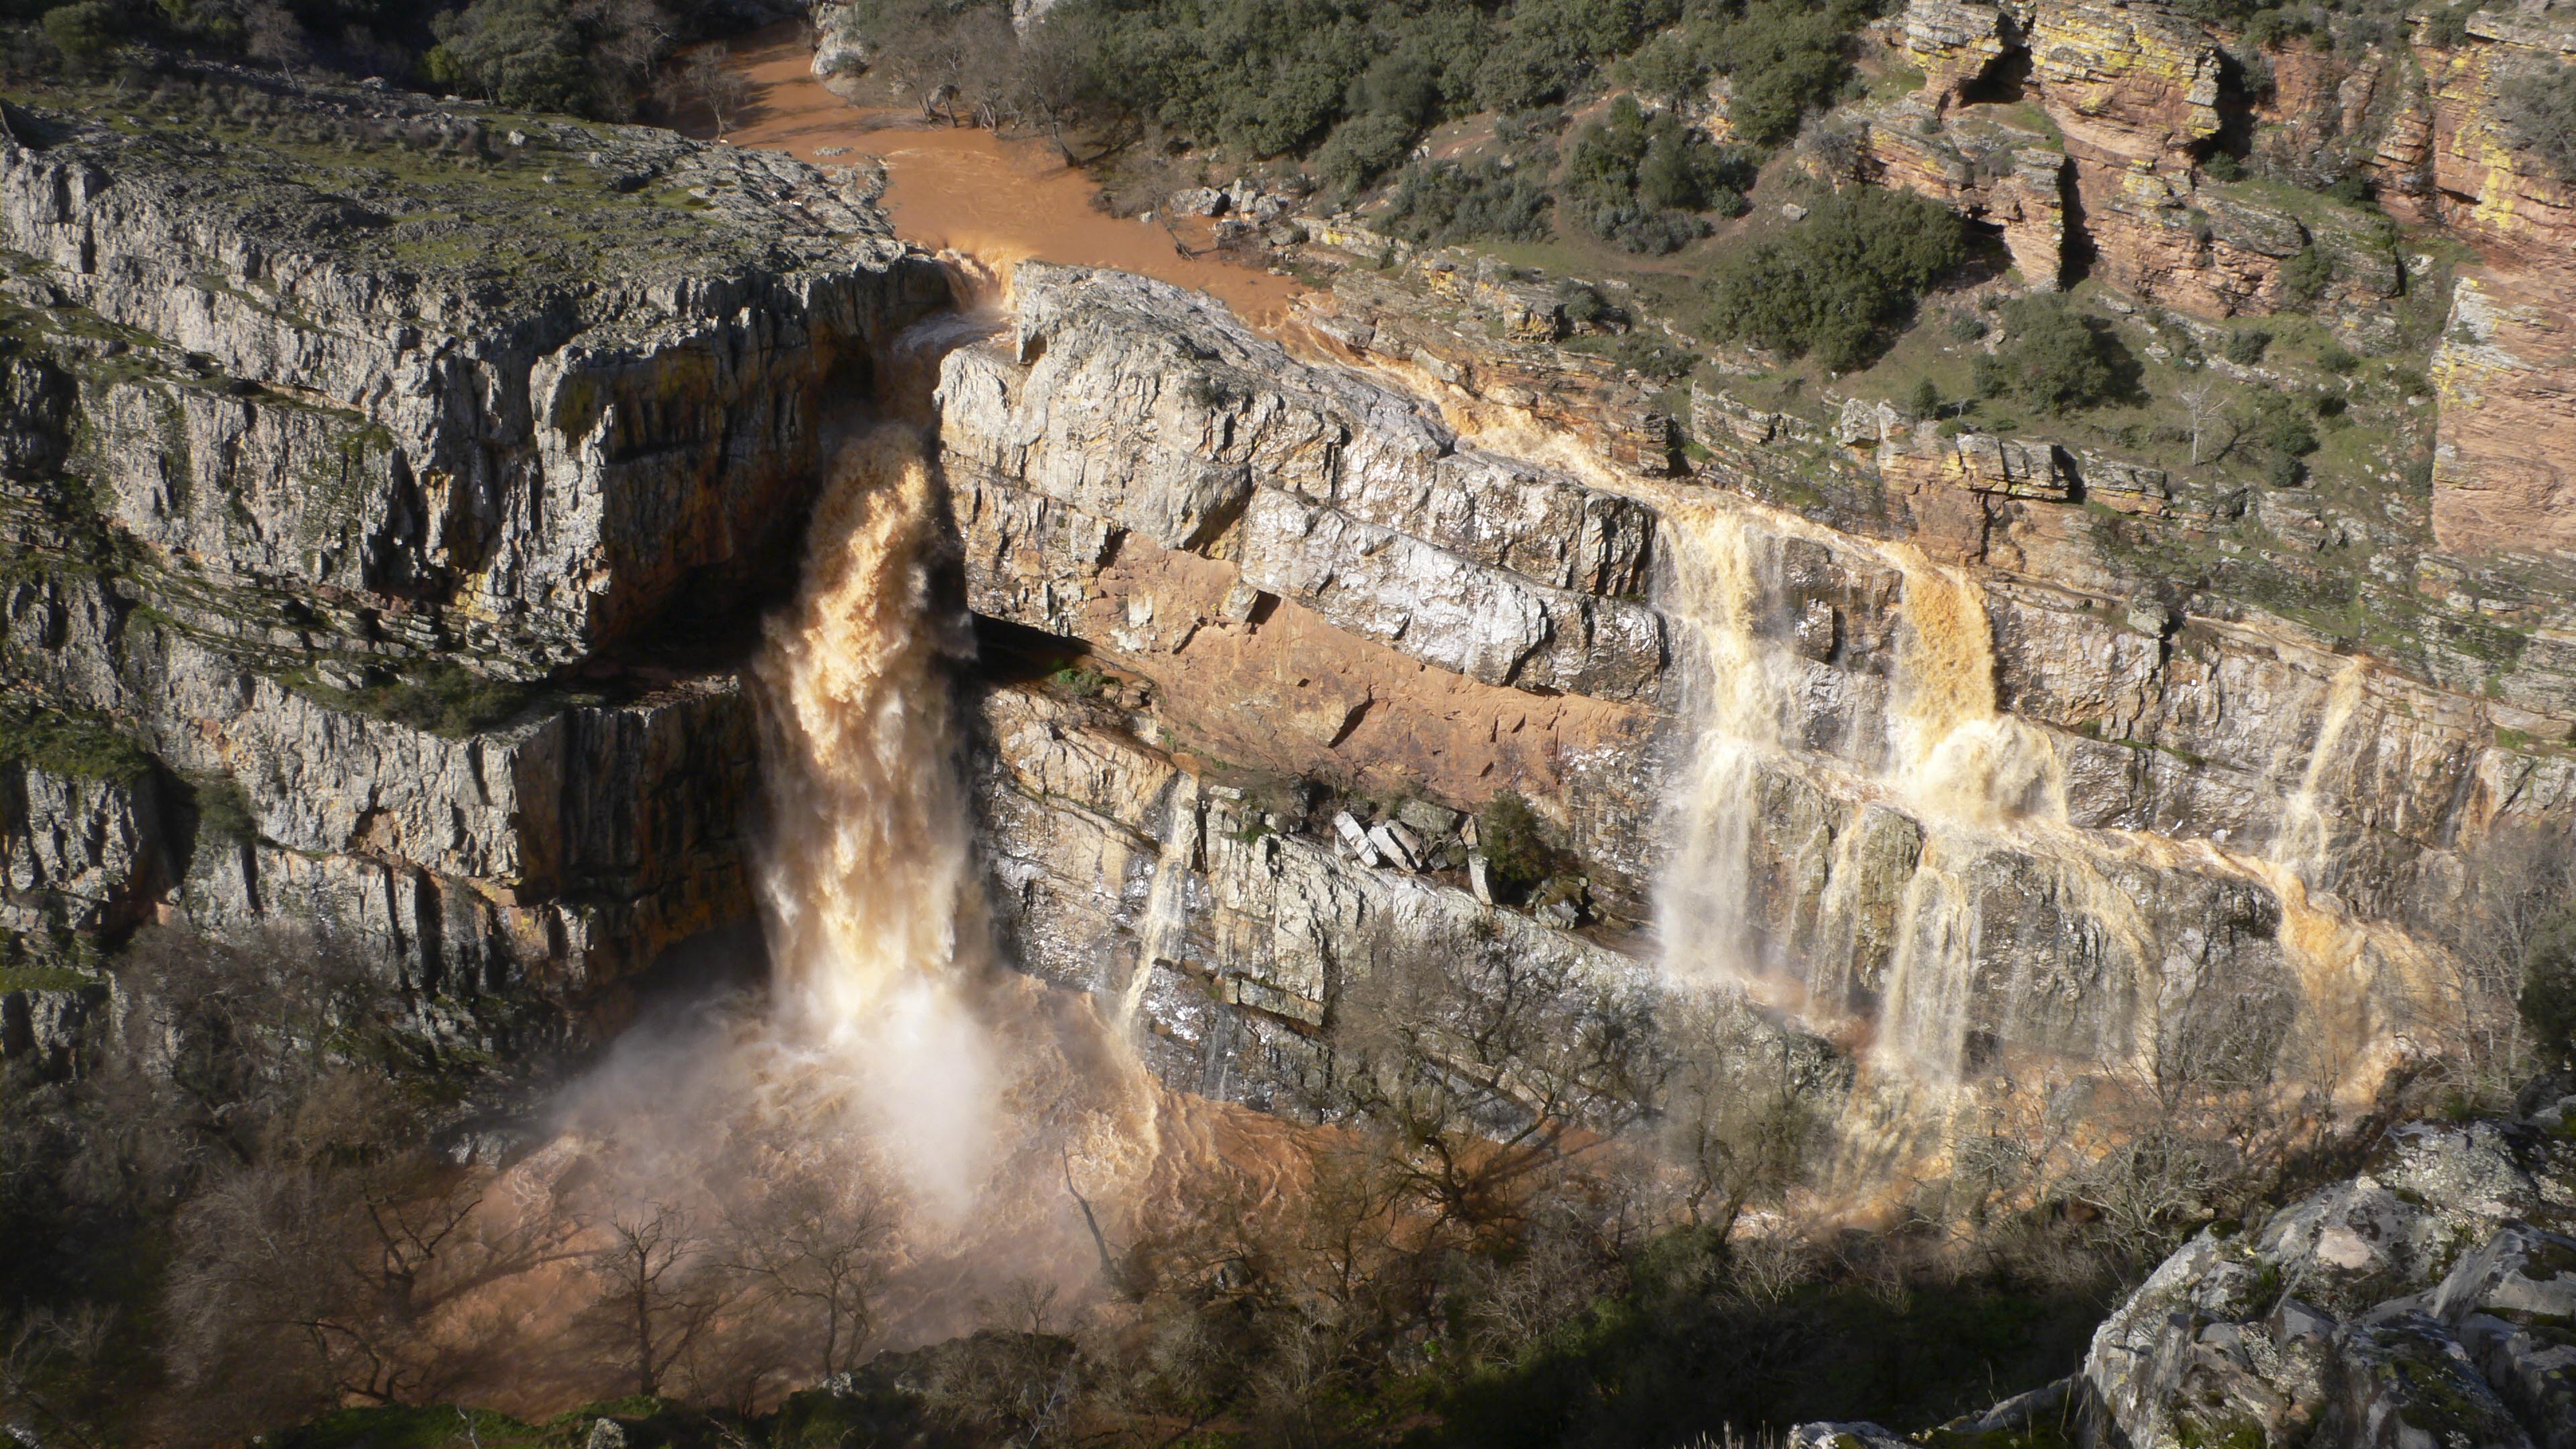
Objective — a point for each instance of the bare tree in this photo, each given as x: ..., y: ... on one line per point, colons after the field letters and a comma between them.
x: 2202, y: 401
x: 51, y: 1387
x: 818, y: 1247
x: 2520, y: 882
x: 655, y: 1297
x: 1738, y: 1109
x: 633, y: 36
x: 1483, y: 1065
x: 273, y: 34
x: 1050, y: 79
x: 724, y: 91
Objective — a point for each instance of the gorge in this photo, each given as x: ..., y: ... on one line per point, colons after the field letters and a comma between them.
x: 572, y: 568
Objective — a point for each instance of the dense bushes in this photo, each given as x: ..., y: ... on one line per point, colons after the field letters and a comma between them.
x: 1641, y: 182
x: 593, y: 57
x: 1782, y: 60
x: 1835, y: 284
x: 2053, y: 357
x: 1446, y: 201
x: 1277, y: 78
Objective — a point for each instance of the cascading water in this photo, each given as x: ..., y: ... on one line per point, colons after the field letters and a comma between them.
x: 867, y: 876
x: 2304, y: 838
x: 1703, y: 919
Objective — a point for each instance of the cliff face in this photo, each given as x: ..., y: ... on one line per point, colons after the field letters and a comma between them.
x: 366, y: 577
x: 2132, y: 106
x: 353, y: 470
x: 2008, y: 808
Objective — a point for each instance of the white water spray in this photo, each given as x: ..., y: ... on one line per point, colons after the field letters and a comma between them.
x: 876, y: 932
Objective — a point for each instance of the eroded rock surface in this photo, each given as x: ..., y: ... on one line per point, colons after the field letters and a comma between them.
x: 353, y: 470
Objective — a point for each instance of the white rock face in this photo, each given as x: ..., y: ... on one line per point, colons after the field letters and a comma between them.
x: 290, y: 508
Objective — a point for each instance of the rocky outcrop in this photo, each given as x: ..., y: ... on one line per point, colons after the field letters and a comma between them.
x: 2428, y: 1291
x: 2454, y: 155
x: 1135, y: 469
x: 351, y: 464
x: 1984, y: 165
x: 2135, y: 97
x: 2425, y: 1300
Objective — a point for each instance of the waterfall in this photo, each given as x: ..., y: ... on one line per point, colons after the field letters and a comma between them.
x: 866, y: 880
x: 1707, y: 932
x: 1963, y: 771
x: 1162, y: 933
x: 1952, y: 754
x: 2303, y: 840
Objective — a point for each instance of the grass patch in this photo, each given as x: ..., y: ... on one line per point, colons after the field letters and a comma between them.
x: 42, y: 978
x: 439, y: 696
x: 69, y: 742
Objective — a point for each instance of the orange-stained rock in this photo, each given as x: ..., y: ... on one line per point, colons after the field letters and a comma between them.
x: 1956, y: 42
x: 2504, y: 469
x: 2316, y: 118
x: 2454, y: 156
x: 1983, y: 168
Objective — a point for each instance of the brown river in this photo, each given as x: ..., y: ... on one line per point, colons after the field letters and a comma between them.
x: 968, y: 190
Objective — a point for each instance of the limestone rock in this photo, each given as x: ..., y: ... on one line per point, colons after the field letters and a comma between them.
x: 304, y: 500
x: 2363, y: 1307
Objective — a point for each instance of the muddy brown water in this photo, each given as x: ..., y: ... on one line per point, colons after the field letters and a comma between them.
x: 965, y: 189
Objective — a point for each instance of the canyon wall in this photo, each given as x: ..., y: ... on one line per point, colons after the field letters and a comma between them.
x: 373, y: 512
x: 2180, y: 162
x: 402, y: 582
x: 1995, y: 810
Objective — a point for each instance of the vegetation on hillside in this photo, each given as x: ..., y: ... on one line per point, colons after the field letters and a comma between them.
x: 1835, y: 285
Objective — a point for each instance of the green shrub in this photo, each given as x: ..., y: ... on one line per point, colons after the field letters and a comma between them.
x: 1640, y: 181
x: 1783, y: 59
x: 2223, y: 167
x: 2548, y: 1000
x: 1651, y: 356
x: 1443, y: 201
x: 64, y: 742
x: 1515, y: 846
x: 2448, y: 27
x: 1584, y: 306
x: 1836, y: 284
x: 2539, y: 109
x: 545, y: 55
x: 1668, y: 68
x: 2304, y: 277
x: 1926, y: 401
x: 87, y: 31
x: 1363, y: 148
x: 2054, y: 358
x: 2338, y: 359
x: 2286, y: 433
x: 2246, y: 348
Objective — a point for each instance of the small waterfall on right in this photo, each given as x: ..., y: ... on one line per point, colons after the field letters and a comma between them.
x: 1864, y: 836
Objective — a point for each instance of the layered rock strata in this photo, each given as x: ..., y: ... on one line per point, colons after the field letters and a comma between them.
x: 1298, y: 563
x: 356, y: 456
